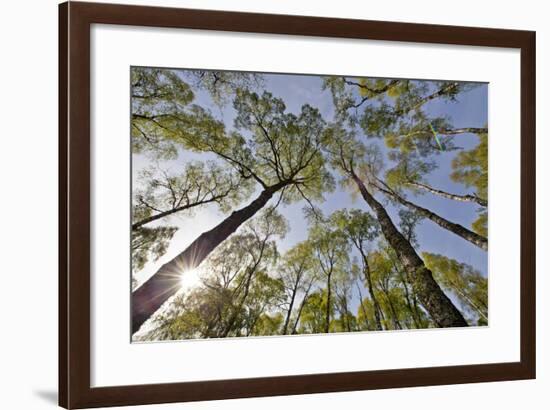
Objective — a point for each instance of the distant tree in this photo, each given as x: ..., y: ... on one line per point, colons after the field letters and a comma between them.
x: 361, y: 229
x: 387, y: 285
x: 266, y: 295
x: 313, y: 318
x: 343, y: 292
x: 267, y: 325
x: 464, y: 281
x: 297, y: 272
x: 365, y: 314
x: 331, y: 250
x: 262, y: 232
x: 395, y: 284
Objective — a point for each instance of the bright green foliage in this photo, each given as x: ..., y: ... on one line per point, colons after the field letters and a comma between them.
x: 157, y: 96
x: 365, y: 315
x: 388, y: 292
x: 283, y: 146
x: 471, y: 167
x: 153, y: 88
x: 279, y: 147
x: 267, y: 325
x: 468, y: 285
x: 342, y: 97
x: 331, y: 249
x: 480, y: 224
x: 163, y: 109
x: 313, y: 318
x: 346, y: 322
x: 359, y: 226
x: 265, y: 294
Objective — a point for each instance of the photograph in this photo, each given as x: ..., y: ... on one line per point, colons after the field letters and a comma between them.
x: 268, y: 204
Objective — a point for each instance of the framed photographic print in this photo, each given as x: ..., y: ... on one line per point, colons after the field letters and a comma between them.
x: 256, y: 205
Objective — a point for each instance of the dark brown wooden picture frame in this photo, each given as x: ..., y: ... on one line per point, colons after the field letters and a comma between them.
x: 74, y: 204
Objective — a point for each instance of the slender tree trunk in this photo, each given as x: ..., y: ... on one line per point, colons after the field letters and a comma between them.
x: 454, y: 197
x: 368, y: 277
x: 290, y: 307
x: 327, y: 315
x: 301, y: 308
x: 404, y: 282
x: 346, y: 311
x: 160, y: 215
x: 465, y: 130
x: 457, y: 229
x: 434, y: 300
x: 363, y: 306
x: 393, y: 311
x: 414, y: 316
x: 150, y: 296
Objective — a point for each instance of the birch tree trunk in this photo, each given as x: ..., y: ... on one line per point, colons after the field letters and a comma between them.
x: 437, y: 304
x: 455, y: 228
x: 454, y: 197
x: 163, y: 214
x: 465, y: 130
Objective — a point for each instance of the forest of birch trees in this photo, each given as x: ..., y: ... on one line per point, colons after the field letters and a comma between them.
x: 328, y: 202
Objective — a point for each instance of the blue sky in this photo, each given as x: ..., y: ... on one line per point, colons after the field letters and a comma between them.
x: 469, y: 111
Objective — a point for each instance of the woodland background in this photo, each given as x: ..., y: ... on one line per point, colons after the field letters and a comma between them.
x: 306, y: 255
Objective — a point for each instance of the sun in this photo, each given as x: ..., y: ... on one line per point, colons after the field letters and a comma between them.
x: 189, y: 277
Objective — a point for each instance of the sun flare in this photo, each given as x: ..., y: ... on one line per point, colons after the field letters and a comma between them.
x: 189, y: 277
